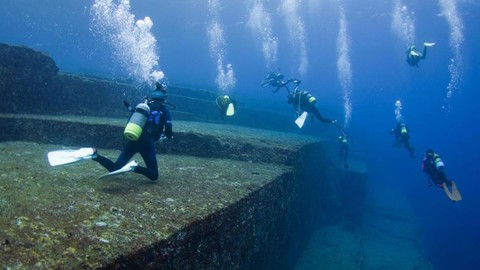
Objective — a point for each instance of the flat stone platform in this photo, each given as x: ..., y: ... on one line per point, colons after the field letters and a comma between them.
x: 226, y: 196
x: 64, y: 217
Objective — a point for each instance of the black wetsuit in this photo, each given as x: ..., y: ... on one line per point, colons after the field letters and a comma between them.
x: 402, y: 137
x: 275, y: 80
x: 437, y: 175
x: 301, y: 101
x: 159, y: 122
x: 413, y: 59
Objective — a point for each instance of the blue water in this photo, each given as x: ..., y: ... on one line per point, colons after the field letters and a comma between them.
x: 304, y: 37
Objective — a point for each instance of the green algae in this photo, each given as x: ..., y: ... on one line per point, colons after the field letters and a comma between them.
x: 64, y: 217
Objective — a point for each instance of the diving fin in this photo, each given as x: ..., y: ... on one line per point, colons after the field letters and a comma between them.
x: 428, y: 44
x: 230, y: 110
x: 127, y: 168
x: 301, y: 119
x: 61, y: 157
x: 454, y: 195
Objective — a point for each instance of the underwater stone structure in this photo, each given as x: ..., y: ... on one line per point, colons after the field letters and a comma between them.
x: 229, y: 197
x: 31, y: 83
x: 280, y: 188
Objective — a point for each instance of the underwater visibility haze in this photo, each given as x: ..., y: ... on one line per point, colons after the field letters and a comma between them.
x: 349, y: 54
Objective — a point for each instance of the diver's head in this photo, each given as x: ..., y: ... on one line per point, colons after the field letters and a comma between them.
x: 161, y: 87
x: 157, y: 96
x: 429, y: 153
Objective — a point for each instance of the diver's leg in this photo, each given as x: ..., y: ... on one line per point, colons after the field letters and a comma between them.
x: 150, y: 157
x: 123, y: 158
x: 443, y: 177
x: 317, y: 114
x: 424, y: 54
x: 127, y: 153
x: 105, y: 162
x: 410, y: 149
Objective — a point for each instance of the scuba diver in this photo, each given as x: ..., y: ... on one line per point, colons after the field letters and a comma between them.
x: 275, y: 80
x: 302, y: 101
x: 150, y: 121
x: 414, y: 56
x: 402, y: 137
x: 433, y: 165
x: 344, y: 141
x: 226, y: 105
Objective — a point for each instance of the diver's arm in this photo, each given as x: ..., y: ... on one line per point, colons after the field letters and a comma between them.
x: 168, y: 124
x: 128, y: 106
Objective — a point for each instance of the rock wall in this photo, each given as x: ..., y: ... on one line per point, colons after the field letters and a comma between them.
x: 31, y: 83
x: 267, y: 229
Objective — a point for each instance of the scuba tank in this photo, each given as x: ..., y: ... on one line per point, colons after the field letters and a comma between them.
x: 438, y: 161
x: 403, y: 129
x: 311, y: 99
x: 133, y: 129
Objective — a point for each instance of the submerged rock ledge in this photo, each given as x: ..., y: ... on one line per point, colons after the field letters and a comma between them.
x: 228, y: 198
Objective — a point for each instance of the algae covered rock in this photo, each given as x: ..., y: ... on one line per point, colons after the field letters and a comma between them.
x: 24, y: 74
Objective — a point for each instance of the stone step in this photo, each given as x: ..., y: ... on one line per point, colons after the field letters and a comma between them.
x: 190, y: 138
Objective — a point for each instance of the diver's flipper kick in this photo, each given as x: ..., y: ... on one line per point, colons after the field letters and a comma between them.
x: 148, y: 123
x: 303, y: 102
x: 230, y: 110
x: 127, y: 168
x: 454, y: 195
x: 61, y: 157
x: 301, y: 119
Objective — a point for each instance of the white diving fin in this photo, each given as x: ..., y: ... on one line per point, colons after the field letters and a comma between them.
x: 127, y: 168
x: 301, y: 119
x: 428, y: 44
x: 61, y: 157
x: 230, y: 110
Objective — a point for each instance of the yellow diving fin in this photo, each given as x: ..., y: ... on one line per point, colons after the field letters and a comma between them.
x: 454, y: 195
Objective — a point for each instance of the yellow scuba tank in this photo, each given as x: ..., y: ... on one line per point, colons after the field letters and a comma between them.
x: 133, y: 129
x: 309, y: 98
